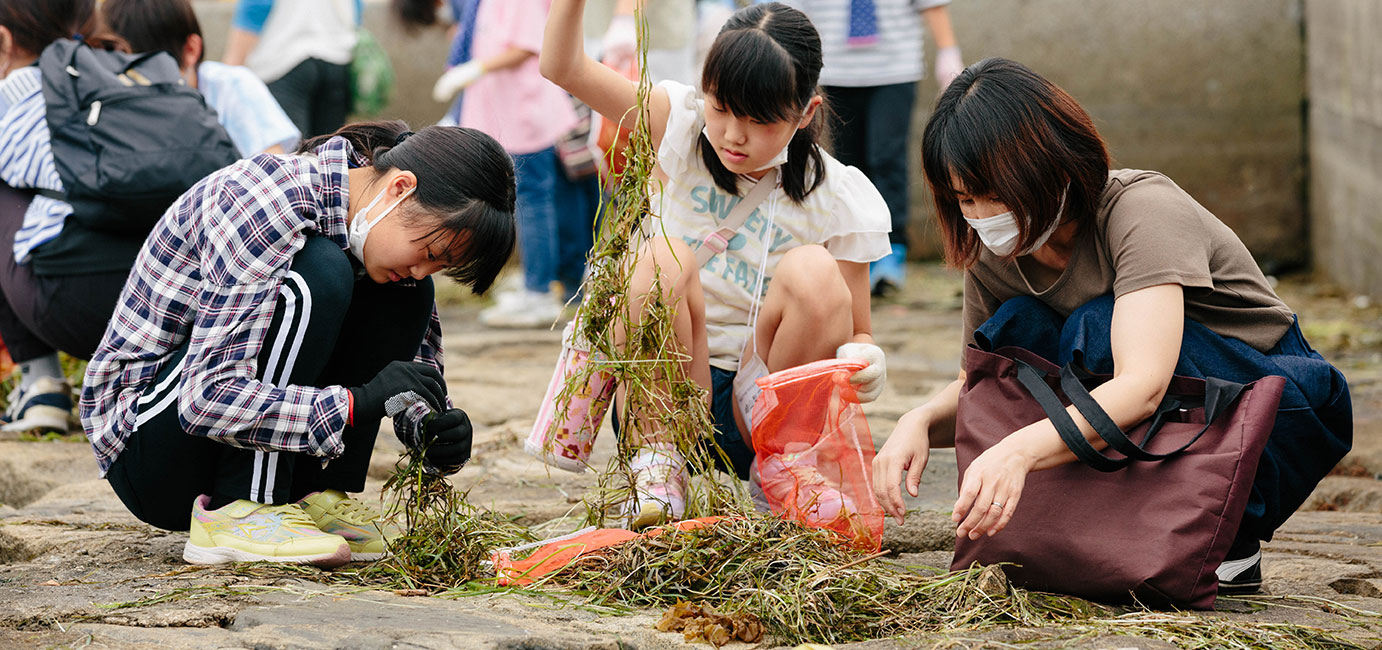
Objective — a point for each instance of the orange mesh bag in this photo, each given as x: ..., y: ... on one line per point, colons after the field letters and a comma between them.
x: 558, y: 553
x: 612, y: 139
x: 814, y: 450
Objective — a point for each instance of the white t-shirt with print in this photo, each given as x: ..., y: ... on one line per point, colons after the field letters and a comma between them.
x: 845, y: 214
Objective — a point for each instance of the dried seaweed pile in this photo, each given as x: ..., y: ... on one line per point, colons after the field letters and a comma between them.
x: 804, y: 587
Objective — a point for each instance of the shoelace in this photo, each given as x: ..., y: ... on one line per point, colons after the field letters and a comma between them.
x: 293, y: 515
x: 354, y: 509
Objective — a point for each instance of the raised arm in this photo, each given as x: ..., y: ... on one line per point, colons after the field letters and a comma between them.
x: 564, y: 62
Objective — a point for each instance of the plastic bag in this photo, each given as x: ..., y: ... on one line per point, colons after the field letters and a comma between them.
x: 814, y: 451
x: 371, y: 75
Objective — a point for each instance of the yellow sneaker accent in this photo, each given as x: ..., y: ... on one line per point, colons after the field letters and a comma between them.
x: 360, y: 524
x: 246, y: 531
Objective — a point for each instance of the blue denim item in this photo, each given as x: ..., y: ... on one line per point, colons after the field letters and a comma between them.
x: 576, y: 204
x: 537, y: 219
x: 1314, y: 423
x: 726, y: 432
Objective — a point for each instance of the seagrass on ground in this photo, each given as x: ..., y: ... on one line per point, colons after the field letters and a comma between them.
x: 800, y: 582
x: 632, y: 338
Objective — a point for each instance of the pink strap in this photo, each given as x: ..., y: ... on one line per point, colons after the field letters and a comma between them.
x: 716, y: 242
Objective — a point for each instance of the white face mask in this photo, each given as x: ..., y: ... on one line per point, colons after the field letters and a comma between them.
x: 359, y: 227
x: 999, y: 232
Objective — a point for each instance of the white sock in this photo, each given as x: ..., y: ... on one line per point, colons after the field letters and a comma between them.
x: 33, y: 370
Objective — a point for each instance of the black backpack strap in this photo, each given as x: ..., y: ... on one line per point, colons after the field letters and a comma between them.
x: 52, y: 194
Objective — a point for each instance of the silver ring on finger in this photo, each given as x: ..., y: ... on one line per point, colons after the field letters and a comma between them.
x: 998, y: 504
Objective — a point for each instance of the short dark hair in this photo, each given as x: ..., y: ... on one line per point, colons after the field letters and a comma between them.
x: 1004, y: 130
x: 36, y: 24
x: 463, y: 175
x: 764, y: 65
x: 153, y: 25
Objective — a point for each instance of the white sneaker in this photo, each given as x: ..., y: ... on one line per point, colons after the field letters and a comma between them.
x: 659, y: 486
x: 45, y: 404
x: 527, y: 309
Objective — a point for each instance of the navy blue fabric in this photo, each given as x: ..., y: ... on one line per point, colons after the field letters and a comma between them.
x: 1314, y: 423
x: 726, y: 431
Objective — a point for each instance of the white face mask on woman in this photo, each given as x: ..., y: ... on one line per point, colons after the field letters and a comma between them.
x: 359, y: 227
x: 999, y: 232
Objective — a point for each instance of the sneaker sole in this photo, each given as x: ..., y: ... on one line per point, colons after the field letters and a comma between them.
x: 1240, y: 588
x: 221, y: 555
x: 49, y: 418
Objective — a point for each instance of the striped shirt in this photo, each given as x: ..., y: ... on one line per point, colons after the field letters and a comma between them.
x: 26, y: 158
x: 896, y: 58
x: 206, y: 280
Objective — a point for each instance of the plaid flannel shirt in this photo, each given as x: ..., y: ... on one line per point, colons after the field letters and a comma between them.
x: 206, y: 280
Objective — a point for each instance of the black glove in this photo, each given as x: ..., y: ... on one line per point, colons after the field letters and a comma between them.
x: 446, y: 441
x: 398, y: 379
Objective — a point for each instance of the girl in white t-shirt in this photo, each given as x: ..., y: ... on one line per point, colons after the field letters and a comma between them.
x: 791, y: 287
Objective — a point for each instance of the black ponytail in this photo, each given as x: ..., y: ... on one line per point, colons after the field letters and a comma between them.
x: 465, y: 183
x: 764, y: 65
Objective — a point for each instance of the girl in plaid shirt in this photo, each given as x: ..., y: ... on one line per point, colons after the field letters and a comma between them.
x: 279, y: 310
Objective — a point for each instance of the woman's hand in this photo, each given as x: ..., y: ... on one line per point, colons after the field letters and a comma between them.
x: 991, y: 489
x: 907, y: 450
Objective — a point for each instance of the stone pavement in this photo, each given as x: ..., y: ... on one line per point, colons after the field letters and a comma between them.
x: 77, y: 570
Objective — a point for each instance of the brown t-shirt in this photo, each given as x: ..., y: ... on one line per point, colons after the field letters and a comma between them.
x: 1147, y: 232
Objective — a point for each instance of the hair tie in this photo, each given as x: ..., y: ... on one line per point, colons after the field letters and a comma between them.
x: 401, y: 137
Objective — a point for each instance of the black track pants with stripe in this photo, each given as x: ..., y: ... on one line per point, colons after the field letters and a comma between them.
x: 328, y: 329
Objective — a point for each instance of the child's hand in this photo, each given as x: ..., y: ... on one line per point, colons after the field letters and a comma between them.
x: 456, y: 79
x: 620, y: 42
x: 447, y: 441
x: 869, y: 381
x: 395, y: 388
x: 949, y: 65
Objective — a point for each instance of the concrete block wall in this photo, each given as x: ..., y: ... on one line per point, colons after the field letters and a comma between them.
x: 1345, y: 84
x: 1209, y: 93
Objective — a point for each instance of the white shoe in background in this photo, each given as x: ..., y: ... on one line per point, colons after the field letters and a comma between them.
x: 522, y: 309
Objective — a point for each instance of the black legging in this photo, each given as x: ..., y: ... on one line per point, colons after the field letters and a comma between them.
x: 327, y: 329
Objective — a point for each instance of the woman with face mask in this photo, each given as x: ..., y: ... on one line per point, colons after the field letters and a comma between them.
x: 1062, y: 254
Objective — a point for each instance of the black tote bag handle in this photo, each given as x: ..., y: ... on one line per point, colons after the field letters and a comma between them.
x: 1219, y: 396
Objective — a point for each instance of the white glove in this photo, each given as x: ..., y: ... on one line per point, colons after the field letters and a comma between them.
x: 869, y: 381
x: 456, y: 79
x: 949, y: 65
x: 621, y: 40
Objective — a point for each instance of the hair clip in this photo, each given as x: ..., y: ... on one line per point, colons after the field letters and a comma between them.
x: 401, y: 137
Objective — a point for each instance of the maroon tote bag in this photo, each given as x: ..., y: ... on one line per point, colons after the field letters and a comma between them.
x: 1151, y: 517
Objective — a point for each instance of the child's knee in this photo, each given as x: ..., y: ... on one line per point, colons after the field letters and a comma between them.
x: 670, y: 259
x: 813, y: 273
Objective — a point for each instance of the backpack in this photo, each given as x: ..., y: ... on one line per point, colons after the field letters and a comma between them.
x: 129, y: 136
